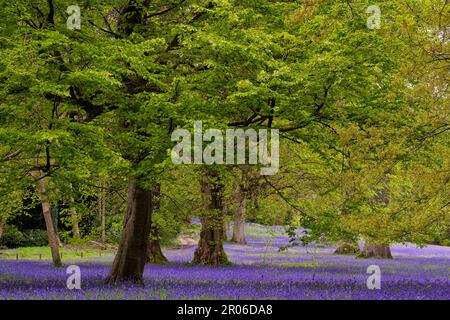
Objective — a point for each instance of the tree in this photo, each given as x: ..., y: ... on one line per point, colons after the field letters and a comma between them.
x: 210, y: 247
x: 1, y: 228
x: 248, y: 188
x: 154, y: 252
x: 43, y: 125
x: 53, y: 239
x: 131, y: 256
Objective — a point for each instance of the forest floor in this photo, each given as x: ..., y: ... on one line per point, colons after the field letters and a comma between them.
x: 258, y: 271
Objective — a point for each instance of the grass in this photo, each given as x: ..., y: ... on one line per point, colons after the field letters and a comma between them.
x: 43, y: 253
x: 431, y: 266
x: 312, y: 264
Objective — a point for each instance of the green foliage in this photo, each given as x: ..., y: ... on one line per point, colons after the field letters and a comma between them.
x: 35, y: 238
x: 362, y: 112
x: 13, y: 237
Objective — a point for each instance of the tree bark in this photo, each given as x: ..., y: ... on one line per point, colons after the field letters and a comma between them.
x: 372, y: 250
x: 53, y: 239
x: 225, y: 231
x: 210, y: 246
x: 1, y: 228
x: 347, y: 247
x: 74, y: 215
x: 226, y: 227
x: 103, y: 224
x: 102, y: 213
x: 154, y: 252
x: 376, y: 251
x: 131, y: 256
x: 239, y: 222
x: 75, y: 227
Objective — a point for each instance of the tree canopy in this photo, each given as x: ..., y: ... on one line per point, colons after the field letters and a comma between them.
x: 363, y: 116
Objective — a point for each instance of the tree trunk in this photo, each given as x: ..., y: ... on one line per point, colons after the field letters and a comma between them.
x: 210, y: 246
x: 103, y: 224
x: 74, y: 215
x: 225, y: 231
x: 75, y: 227
x: 1, y: 228
x: 53, y: 239
x: 154, y: 252
x: 376, y: 251
x: 55, y: 217
x: 225, y: 228
x: 239, y: 222
x: 102, y: 213
x: 131, y: 256
x: 371, y: 250
x: 347, y: 247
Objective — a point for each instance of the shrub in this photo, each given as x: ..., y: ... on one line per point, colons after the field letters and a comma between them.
x: 12, y: 237
x: 35, y: 238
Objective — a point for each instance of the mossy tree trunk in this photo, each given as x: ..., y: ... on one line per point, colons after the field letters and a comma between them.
x: 247, y: 191
x: 210, y: 246
x: 225, y: 231
x: 347, y: 247
x: 239, y: 221
x: 75, y: 226
x: 74, y: 216
x: 376, y: 251
x: 154, y: 252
